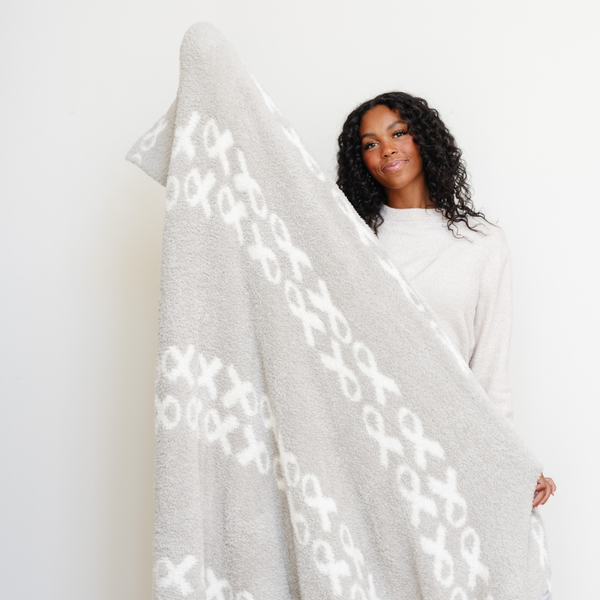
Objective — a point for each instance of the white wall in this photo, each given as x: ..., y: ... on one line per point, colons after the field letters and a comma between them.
x: 80, y: 237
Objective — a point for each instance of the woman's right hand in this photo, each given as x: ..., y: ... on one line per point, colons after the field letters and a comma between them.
x: 544, y: 489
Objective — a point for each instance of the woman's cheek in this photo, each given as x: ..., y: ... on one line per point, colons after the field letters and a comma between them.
x: 368, y: 163
x: 408, y: 147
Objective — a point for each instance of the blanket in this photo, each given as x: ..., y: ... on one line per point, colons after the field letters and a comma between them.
x: 317, y: 436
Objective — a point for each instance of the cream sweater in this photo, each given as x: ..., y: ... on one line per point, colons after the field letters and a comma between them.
x: 466, y: 282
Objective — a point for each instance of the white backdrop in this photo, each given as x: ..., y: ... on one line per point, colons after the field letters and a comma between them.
x: 80, y: 237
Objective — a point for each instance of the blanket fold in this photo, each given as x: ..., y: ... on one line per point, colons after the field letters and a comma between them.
x: 317, y: 436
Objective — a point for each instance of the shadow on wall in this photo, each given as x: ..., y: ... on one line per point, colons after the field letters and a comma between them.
x: 132, y: 278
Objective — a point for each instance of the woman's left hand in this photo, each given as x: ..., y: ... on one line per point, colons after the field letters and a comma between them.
x: 545, y: 488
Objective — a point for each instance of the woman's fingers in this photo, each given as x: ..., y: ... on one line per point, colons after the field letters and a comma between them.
x: 537, y: 498
x: 543, y: 489
x: 550, y: 485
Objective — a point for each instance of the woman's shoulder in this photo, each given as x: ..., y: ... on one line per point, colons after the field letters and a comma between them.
x: 484, y: 235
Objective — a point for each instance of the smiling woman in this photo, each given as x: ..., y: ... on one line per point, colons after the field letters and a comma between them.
x: 399, y: 122
x: 393, y: 158
x: 402, y: 171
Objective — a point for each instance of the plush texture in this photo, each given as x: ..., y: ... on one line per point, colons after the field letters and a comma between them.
x: 466, y: 281
x: 316, y: 435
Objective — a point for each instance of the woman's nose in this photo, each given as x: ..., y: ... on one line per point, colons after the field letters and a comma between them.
x: 388, y: 150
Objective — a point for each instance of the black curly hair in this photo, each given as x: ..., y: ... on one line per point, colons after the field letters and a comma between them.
x: 444, y: 169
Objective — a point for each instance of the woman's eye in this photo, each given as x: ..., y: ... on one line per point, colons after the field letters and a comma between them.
x: 400, y: 133
x: 368, y: 145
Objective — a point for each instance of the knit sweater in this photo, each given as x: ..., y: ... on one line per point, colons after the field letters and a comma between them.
x: 466, y: 282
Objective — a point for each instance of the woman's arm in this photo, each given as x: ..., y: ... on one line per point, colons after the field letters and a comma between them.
x: 493, y: 324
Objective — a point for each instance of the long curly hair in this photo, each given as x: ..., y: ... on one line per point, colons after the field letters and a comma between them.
x: 443, y: 166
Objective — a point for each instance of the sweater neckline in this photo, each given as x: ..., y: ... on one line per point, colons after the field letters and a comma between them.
x: 409, y: 214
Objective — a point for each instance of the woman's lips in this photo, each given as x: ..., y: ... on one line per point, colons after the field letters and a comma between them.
x: 395, y: 165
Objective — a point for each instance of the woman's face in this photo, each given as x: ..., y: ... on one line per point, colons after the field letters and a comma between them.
x: 389, y: 152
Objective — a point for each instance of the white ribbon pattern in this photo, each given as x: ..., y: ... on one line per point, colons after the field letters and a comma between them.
x: 173, y: 190
x: 322, y: 301
x: 327, y: 565
x: 255, y: 451
x: 267, y: 99
x: 241, y: 392
x: 208, y: 372
x: 412, y: 494
x: 221, y: 142
x: 183, y: 138
x: 390, y: 268
x: 175, y: 576
x: 216, y: 429
x: 265, y: 256
x: 421, y: 444
x: 351, y: 550
x: 266, y: 412
x: 220, y: 589
x: 310, y: 320
x: 196, y: 189
x: 470, y: 549
x: 182, y: 368
x: 296, y: 256
x: 289, y: 466
x: 381, y: 382
x: 365, y: 235
x: 233, y: 213
x: 376, y: 429
x: 454, y: 501
x: 346, y: 376
x: 245, y: 183
x: 299, y: 522
x: 162, y: 408
x: 215, y: 587
x: 192, y: 412
x: 149, y: 140
x: 443, y: 564
x: 313, y: 496
x: 358, y: 593
x: 311, y: 163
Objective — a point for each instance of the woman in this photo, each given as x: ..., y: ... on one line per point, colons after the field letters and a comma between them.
x: 401, y: 169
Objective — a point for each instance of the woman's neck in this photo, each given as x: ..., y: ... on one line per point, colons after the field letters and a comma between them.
x: 410, y: 196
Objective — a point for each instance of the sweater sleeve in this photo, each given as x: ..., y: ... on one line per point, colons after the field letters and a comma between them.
x: 493, y: 324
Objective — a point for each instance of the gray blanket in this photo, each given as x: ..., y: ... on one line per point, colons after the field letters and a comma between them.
x: 317, y: 436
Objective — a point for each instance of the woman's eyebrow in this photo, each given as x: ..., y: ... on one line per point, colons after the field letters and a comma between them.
x: 394, y: 124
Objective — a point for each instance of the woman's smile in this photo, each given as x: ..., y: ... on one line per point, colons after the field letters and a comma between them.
x: 395, y: 165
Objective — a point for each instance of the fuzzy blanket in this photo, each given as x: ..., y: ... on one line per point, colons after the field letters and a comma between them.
x: 317, y: 436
